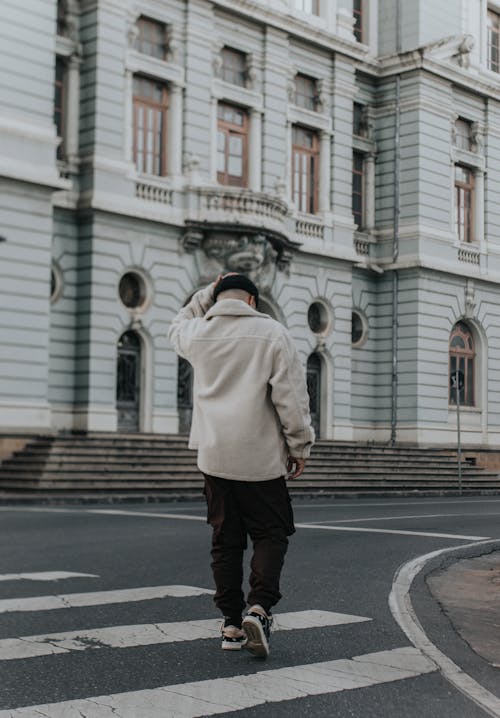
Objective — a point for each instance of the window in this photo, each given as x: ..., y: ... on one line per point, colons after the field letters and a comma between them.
x: 234, y: 66
x: 151, y: 38
x: 464, y: 203
x: 357, y: 11
x: 358, y: 181
x: 306, y: 92
x: 359, y: 120
x: 311, y: 7
x: 462, y: 361
x: 317, y: 318
x: 463, y: 134
x: 305, y: 165
x: 62, y: 27
x: 359, y: 329
x: 493, y: 41
x: 150, y: 126
x: 59, y: 101
x: 132, y: 290
x: 232, y: 145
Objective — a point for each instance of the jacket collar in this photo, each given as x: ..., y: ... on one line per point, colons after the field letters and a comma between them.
x: 233, y: 308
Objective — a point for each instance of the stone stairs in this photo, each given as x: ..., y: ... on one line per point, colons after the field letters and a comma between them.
x: 153, y: 466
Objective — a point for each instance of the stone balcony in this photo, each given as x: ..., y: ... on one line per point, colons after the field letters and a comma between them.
x: 241, y: 209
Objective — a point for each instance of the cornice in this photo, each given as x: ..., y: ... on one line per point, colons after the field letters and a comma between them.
x: 292, y: 25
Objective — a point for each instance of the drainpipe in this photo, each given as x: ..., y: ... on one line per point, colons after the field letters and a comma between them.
x: 395, y: 244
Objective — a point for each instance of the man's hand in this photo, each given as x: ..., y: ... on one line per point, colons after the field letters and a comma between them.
x: 295, y: 467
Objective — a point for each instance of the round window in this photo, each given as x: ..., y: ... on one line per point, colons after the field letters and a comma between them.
x: 56, y: 282
x: 132, y: 290
x: 317, y: 317
x: 358, y: 328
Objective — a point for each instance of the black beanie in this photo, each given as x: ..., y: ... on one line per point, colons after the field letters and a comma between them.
x: 237, y: 281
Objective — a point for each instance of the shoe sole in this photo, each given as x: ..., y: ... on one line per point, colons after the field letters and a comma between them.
x: 231, y: 646
x: 257, y: 642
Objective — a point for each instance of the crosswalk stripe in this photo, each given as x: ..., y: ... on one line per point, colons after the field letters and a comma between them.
x: 152, y: 634
x: 45, y: 576
x: 98, y: 598
x: 223, y: 695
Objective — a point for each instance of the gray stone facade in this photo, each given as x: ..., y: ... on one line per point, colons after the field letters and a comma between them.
x: 87, y: 217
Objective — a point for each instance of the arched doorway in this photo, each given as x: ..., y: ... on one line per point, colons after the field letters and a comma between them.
x: 184, y: 395
x: 128, y: 382
x: 314, y: 389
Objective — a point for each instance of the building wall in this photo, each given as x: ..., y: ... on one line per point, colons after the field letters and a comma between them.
x: 97, y: 219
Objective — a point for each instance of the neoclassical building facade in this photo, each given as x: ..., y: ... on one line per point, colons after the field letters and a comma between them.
x: 343, y: 153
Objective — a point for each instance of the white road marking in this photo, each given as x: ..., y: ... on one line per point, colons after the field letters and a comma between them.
x: 384, y: 518
x: 44, y: 576
x: 391, y: 531
x: 403, y: 612
x: 149, y: 514
x: 98, y: 598
x: 223, y: 695
x: 153, y: 634
x: 422, y: 502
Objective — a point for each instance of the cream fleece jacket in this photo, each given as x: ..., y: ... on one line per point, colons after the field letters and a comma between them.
x: 251, y: 406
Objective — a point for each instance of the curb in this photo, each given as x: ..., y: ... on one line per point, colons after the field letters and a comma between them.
x: 403, y: 612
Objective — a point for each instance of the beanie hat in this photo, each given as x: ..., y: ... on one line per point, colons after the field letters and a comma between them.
x: 237, y: 281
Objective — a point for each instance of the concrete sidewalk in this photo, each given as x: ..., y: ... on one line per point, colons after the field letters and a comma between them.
x: 469, y: 594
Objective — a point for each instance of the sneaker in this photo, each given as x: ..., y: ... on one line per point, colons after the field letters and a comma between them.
x: 233, y: 639
x: 257, y: 626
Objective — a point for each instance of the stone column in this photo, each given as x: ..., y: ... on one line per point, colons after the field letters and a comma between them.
x: 324, y: 172
x: 479, y: 206
x: 369, y: 192
x: 255, y: 151
x: 174, y: 132
x: 72, y: 109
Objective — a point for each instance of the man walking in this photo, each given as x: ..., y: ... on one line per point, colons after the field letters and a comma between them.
x: 251, y: 425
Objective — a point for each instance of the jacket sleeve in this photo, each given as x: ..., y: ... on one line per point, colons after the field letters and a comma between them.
x: 290, y: 398
x: 179, y: 330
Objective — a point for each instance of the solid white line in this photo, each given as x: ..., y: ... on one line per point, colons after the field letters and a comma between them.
x: 382, y: 518
x: 359, y: 503
x: 223, y: 695
x: 153, y: 634
x: 403, y: 612
x: 391, y: 531
x: 44, y: 576
x: 149, y: 514
x: 98, y: 598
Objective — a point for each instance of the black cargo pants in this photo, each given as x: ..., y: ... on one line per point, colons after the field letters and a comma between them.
x: 235, y: 510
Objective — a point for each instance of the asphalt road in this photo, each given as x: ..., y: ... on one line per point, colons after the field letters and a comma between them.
x: 339, y: 570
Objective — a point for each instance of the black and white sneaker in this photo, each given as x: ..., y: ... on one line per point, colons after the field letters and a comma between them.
x: 233, y: 638
x: 257, y: 626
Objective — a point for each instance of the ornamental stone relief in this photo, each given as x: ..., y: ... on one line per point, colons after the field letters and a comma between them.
x: 250, y: 254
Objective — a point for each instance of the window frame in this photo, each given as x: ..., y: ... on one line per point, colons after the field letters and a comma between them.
x: 310, y: 101
x: 493, y: 30
x: 162, y: 106
x: 461, y: 191
x: 315, y: 7
x: 466, y: 146
x: 362, y: 174
x: 60, y: 85
x: 231, y: 129
x: 226, y: 53
x: 469, y: 357
x: 143, y: 22
x: 358, y: 15
x: 312, y: 197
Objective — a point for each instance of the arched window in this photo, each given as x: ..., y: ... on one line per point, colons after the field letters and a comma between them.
x: 462, y: 365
